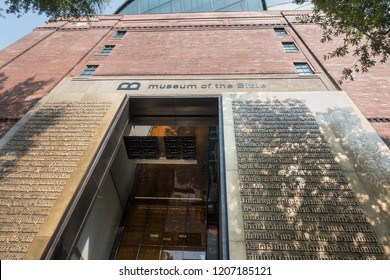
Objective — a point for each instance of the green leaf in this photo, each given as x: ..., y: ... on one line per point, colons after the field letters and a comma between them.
x: 363, y: 24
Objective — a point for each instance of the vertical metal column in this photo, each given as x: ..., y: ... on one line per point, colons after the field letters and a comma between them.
x: 223, y: 218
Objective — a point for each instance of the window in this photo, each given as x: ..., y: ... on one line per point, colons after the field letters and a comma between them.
x: 119, y: 34
x: 289, y: 47
x: 303, y: 68
x: 280, y: 31
x: 88, y: 71
x: 107, y: 49
x: 189, y: 6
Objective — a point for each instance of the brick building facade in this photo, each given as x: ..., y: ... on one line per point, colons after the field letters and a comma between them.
x: 178, y: 44
x: 65, y: 110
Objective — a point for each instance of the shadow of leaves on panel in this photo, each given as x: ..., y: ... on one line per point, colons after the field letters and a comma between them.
x: 297, y: 202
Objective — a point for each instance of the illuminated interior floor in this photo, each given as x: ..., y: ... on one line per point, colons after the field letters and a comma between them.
x: 167, y: 218
x: 156, y: 231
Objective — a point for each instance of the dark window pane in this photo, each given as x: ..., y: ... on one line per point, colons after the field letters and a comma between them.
x: 89, y: 70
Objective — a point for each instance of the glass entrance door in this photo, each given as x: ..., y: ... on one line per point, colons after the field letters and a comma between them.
x: 169, y: 215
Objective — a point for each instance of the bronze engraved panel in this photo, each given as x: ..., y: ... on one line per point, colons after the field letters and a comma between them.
x: 296, y: 201
x: 35, y: 166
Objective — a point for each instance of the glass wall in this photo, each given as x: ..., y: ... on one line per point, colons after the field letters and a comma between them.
x: 173, y: 213
x: 189, y: 6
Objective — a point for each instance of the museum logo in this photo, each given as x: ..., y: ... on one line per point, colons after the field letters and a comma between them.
x: 129, y: 86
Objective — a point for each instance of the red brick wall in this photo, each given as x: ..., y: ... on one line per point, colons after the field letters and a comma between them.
x: 252, y: 51
x: 369, y: 91
x: 23, y: 45
x: 47, y: 59
x: 5, y: 126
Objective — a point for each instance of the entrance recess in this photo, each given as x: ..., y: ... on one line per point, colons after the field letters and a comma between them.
x: 172, y: 212
x: 162, y: 195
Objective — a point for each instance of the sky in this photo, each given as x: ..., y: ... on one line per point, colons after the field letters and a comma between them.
x: 13, y: 28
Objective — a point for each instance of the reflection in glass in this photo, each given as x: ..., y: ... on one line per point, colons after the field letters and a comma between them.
x: 189, y: 6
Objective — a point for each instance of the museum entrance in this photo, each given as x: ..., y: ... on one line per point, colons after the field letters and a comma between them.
x: 173, y: 209
x: 161, y: 190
